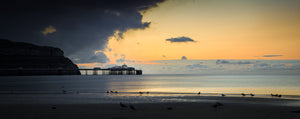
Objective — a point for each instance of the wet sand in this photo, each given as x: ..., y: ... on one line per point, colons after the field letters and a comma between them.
x: 186, y: 110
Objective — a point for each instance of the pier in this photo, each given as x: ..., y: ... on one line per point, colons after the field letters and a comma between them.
x: 116, y: 70
x: 110, y: 72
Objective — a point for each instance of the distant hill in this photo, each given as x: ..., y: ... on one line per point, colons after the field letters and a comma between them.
x: 18, y: 58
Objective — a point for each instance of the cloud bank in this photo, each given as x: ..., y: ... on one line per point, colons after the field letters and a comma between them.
x: 233, y: 62
x: 180, y: 39
x: 210, y: 67
x: 272, y: 55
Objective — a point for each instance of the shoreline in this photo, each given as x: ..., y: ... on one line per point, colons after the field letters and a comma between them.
x: 104, y: 98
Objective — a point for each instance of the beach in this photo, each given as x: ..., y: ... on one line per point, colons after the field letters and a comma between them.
x: 169, y: 97
x: 139, y: 107
x: 190, y: 110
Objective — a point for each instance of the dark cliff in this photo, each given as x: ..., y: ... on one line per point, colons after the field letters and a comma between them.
x: 19, y: 58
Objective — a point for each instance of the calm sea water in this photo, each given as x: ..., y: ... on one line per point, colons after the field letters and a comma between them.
x: 93, y: 88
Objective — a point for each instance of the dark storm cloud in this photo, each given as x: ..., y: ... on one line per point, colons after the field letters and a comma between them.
x: 78, y: 27
x: 180, y: 39
x: 272, y: 55
x: 231, y: 62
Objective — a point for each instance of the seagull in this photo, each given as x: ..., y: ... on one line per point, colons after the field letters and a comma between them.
x: 169, y: 108
x: 148, y: 92
x: 53, y: 107
x: 252, y: 94
x: 217, y: 105
x: 279, y: 96
x: 140, y: 92
x: 112, y: 91
x: 107, y: 91
x: 123, y: 105
x: 132, y: 107
x: 64, y: 91
x: 116, y: 91
x: 243, y: 94
x: 223, y: 95
x: 274, y: 95
x: 199, y: 93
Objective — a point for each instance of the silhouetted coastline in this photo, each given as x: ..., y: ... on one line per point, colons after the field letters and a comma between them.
x: 18, y: 58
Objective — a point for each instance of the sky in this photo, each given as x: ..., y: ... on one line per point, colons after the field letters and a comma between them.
x: 164, y: 36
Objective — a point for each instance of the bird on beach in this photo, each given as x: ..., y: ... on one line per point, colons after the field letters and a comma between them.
x: 53, y: 107
x: 107, y: 91
x: 123, y: 105
x: 140, y: 92
x: 64, y: 91
x: 199, y: 93
x: 116, y: 91
x: 111, y: 91
x: 223, y: 95
x: 243, y: 94
x: 169, y: 108
x: 148, y: 92
x: 252, y: 94
x: 274, y: 95
x: 217, y: 104
x: 132, y: 107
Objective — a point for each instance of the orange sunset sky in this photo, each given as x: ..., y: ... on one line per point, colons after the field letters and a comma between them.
x: 221, y: 30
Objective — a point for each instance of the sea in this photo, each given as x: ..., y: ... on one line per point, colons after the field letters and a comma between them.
x: 149, y: 88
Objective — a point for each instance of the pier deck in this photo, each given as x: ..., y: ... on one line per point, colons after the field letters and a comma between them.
x: 111, y: 72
